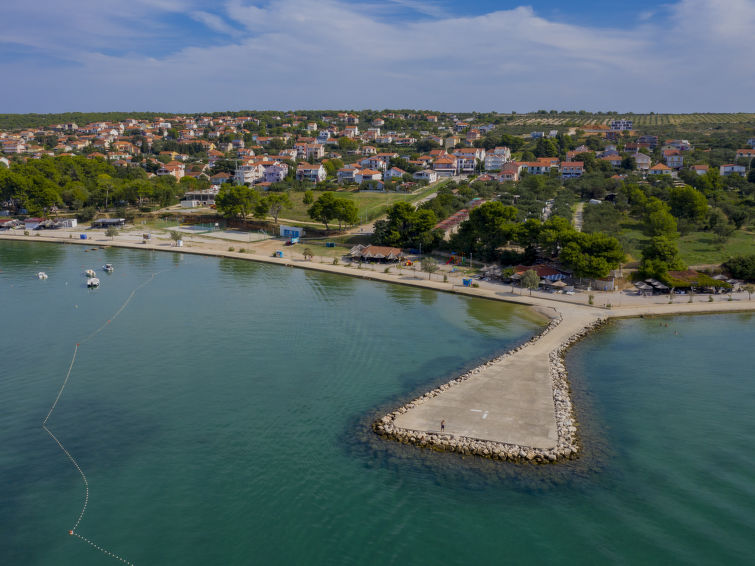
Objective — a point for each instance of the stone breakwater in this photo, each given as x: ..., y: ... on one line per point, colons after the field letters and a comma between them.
x: 567, y: 446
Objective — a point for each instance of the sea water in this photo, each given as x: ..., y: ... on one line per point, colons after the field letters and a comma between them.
x: 220, y: 412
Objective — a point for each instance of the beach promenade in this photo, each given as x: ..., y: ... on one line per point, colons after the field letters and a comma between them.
x: 514, y: 407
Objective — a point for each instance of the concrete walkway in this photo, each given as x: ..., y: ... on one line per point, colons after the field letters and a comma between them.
x: 509, y: 401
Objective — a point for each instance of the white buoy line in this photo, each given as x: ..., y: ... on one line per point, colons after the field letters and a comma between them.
x: 73, y: 530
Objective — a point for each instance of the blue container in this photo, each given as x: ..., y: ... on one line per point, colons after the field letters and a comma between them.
x: 330, y: 244
x: 83, y: 236
x: 467, y: 282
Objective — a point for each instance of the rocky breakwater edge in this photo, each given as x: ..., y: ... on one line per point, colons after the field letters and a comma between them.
x: 567, y: 445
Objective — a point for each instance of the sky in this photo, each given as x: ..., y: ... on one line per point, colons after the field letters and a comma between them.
x: 446, y: 55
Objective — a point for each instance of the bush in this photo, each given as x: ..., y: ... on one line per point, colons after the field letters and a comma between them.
x: 231, y: 249
x: 86, y: 214
x: 335, y: 261
x: 591, y: 299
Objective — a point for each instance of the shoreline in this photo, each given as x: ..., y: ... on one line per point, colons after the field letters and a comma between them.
x: 537, y: 365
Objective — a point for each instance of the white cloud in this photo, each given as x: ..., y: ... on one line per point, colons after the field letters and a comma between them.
x: 213, y: 21
x: 333, y: 54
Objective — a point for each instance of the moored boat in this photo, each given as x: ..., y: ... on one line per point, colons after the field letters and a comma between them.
x: 90, y: 273
x: 93, y: 282
x: 42, y: 275
x: 108, y: 267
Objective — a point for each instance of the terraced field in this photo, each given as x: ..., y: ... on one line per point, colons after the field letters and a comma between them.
x: 740, y: 118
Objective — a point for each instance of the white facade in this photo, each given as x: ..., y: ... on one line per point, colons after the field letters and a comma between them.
x: 495, y: 162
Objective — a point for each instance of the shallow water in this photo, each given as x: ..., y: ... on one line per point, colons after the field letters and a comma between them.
x: 223, y: 418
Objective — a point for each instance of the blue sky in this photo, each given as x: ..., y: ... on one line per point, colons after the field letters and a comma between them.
x: 195, y: 55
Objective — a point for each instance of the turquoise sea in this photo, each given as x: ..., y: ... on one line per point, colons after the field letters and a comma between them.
x: 220, y: 412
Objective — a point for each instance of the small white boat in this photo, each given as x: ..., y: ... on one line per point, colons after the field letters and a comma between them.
x: 93, y: 282
x: 42, y: 275
x: 90, y: 273
x: 108, y: 267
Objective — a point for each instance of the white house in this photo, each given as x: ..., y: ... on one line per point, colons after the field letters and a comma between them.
x: 367, y: 175
x: 426, y: 175
x: 393, y: 173
x: 275, y: 171
x: 643, y: 161
x: 249, y: 173
x: 732, y: 169
x: 312, y: 173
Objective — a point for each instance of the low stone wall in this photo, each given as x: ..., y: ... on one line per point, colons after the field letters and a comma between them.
x: 567, y: 446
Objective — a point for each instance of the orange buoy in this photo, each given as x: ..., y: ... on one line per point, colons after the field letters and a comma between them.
x: 70, y: 532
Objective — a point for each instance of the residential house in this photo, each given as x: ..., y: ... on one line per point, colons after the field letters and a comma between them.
x: 621, y: 125
x: 495, y: 161
x: 312, y: 173
x: 14, y: 146
x: 426, y: 175
x: 369, y: 150
x: 673, y: 158
x: 745, y: 153
x: 510, y: 171
x: 315, y: 151
x: 351, y: 131
x: 220, y: 178
x: 542, y: 166
x: 571, y: 169
x: 643, y: 161
x: 450, y: 225
x: 681, y: 145
x: 374, y: 162
x: 445, y: 166
x: 699, y: 169
x: 387, y: 156
x: 394, y: 173
x: 214, y: 156
x: 614, y: 160
x: 248, y: 173
x: 367, y: 175
x: 346, y: 174
x: 732, y: 169
x: 175, y: 168
x: 274, y: 171
x: 660, y: 169
x: 649, y: 141
x: 476, y: 152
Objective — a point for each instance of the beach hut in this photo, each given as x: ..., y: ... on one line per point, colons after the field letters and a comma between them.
x: 376, y: 253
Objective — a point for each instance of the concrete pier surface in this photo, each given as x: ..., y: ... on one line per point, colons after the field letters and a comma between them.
x: 509, y: 401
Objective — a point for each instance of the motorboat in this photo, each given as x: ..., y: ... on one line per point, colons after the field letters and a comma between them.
x: 90, y: 273
x: 42, y: 275
x: 93, y: 282
x: 108, y: 267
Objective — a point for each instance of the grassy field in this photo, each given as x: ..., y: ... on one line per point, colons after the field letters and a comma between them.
x: 696, y: 248
x: 371, y: 204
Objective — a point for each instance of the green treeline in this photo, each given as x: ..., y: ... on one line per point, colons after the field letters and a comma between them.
x: 79, y: 183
